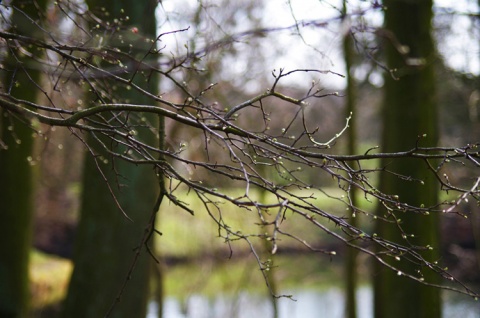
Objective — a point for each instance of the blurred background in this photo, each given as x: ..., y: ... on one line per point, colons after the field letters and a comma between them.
x: 202, y: 275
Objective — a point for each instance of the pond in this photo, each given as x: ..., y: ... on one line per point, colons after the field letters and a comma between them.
x: 309, y: 303
x: 237, y: 290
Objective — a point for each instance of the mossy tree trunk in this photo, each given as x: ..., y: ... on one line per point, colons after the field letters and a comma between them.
x: 409, y: 112
x: 16, y: 171
x: 106, y: 240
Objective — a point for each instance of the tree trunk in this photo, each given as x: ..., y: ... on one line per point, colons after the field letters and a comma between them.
x: 16, y: 205
x: 106, y: 240
x: 16, y: 175
x: 351, y: 254
x: 409, y: 112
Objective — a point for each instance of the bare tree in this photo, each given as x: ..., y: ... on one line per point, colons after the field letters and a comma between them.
x: 282, y: 136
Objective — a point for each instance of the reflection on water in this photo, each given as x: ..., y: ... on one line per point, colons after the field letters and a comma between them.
x: 309, y: 303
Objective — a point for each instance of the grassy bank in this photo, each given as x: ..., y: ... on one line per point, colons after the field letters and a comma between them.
x: 196, y: 238
x: 49, y: 279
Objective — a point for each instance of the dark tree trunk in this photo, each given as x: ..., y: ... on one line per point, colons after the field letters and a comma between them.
x: 106, y: 240
x: 409, y: 112
x: 16, y: 172
x: 351, y: 254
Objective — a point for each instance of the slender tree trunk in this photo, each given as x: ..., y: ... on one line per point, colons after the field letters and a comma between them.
x: 267, y: 251
x: 351, y: 254
x: 409, y: 112
x: 16, y: 174
x: 106, y: 240
x: 476, y: 132
x: 158, y: 277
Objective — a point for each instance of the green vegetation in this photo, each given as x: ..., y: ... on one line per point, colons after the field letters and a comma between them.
x: 195, y: 238
x: 50, y: 276
x: 49, y: 279
x: 189, y: 236
x: 230, y: 276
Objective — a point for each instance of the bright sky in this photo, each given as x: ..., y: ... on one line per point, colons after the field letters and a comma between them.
x: 319, y: 47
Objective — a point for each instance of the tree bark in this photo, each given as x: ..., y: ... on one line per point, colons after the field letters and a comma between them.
x: 16, y: 173
x: 106, y: 240
x: 409, y: 111
x: 351, y: 254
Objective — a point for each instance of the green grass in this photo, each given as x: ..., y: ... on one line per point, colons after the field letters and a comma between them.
x: 197, y: 236
x: 190, y: 236
x: 49, y: 277
x: 185, y: 235
x: 230, y: 276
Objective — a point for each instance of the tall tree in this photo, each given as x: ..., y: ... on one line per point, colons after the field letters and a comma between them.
x: 16, y: 184
x: 106, y: 240
x: 409, y: 113
x: 351, y: 254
